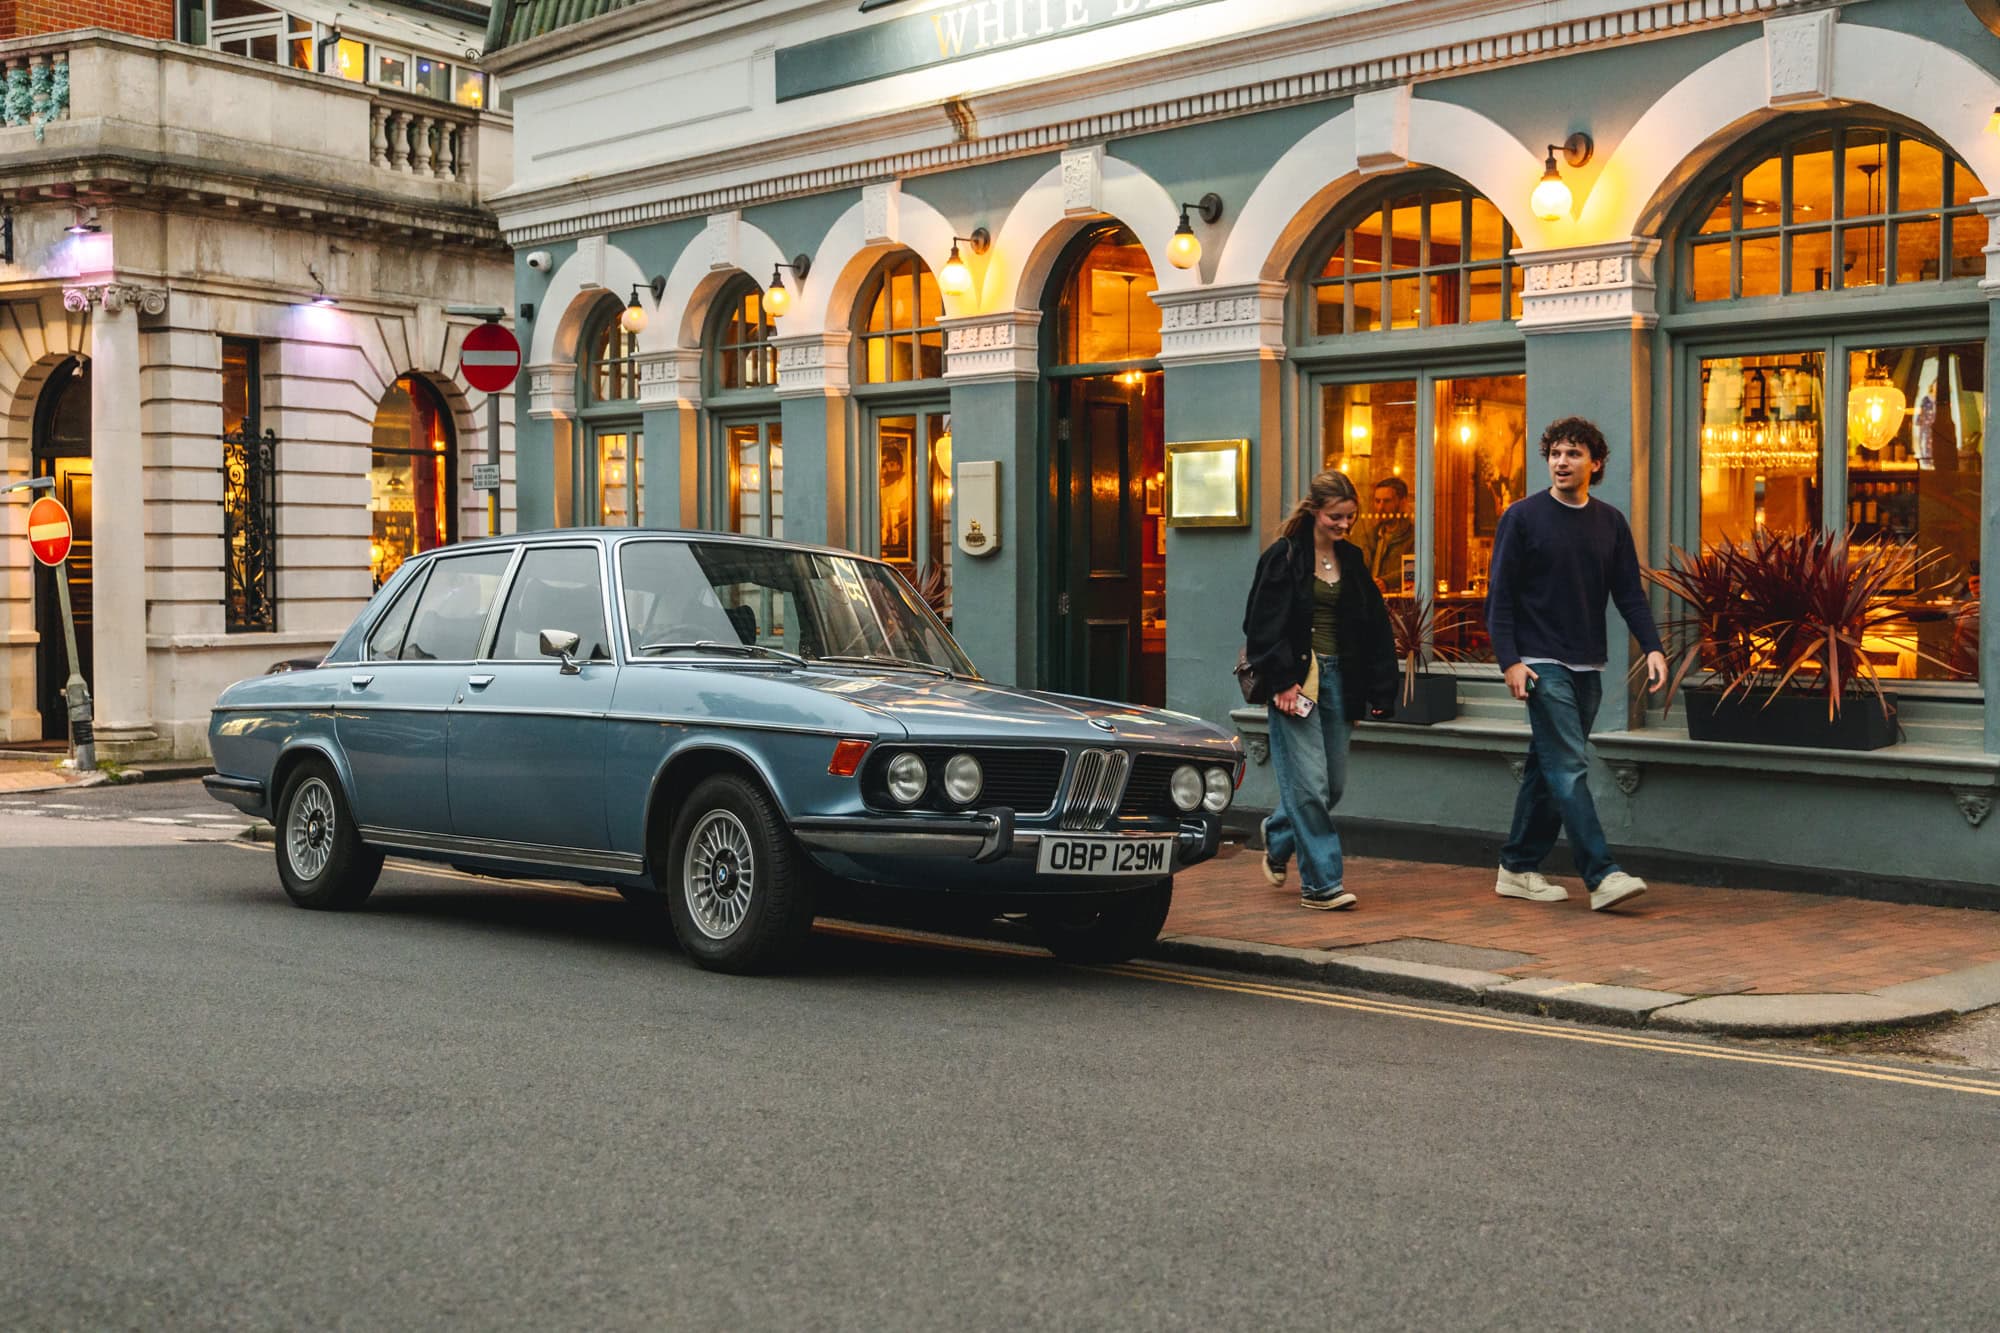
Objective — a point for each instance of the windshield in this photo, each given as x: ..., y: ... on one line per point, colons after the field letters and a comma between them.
x: 681, y: 594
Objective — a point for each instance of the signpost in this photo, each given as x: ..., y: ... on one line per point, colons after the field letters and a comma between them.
x: 50, y: 536
x: 490, y: 358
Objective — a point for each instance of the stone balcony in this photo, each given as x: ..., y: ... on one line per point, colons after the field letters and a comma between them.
x: 97, y: 113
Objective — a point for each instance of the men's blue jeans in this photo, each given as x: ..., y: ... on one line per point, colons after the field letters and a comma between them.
x: 1555, y: 786
x: 1309, y: 757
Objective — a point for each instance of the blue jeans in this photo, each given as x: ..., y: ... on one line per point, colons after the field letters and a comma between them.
x: 1309, y: 757
x: 1555, y: 786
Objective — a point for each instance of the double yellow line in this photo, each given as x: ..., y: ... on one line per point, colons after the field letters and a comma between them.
x: 1686, y: 1048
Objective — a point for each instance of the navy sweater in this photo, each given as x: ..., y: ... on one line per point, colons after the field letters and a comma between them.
x: 1553, y: 566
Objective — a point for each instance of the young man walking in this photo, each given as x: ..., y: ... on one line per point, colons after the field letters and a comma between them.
x: 1556, y: 558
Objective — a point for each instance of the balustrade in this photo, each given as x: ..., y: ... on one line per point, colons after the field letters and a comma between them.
x: 433, y: 142
x: 34, y: 88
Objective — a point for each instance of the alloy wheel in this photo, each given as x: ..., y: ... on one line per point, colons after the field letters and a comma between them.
x: 719, y: 875
x: 309, y: 829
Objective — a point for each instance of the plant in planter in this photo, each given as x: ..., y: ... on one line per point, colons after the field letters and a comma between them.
x: 1780, y: 629
x: 935, y: 589
x: 1418, y: 629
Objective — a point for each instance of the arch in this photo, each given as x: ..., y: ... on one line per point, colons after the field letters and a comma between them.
x: 573, y: 288
x: 412, y: 474
x: 1700, y: 118
x: 681, y: 317
x: 1037, y: 232
x: 845, y: 258
x: 1318, y: 172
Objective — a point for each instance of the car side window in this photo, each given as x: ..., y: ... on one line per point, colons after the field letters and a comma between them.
x: 451, y: 612
x: 386, y: 643
x: 668, y: 600
x: 558, y: 587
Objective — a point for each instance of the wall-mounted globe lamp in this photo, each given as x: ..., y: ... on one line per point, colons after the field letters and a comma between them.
x: 776, y: 299
x: 955, y: 277
x: 633, y: 318
x: 1184, y: 250
x: 1551, y: 199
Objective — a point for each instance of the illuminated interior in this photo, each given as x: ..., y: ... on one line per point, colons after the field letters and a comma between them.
x: 409, y: 477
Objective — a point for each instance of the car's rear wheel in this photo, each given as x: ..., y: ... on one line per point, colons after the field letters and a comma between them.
x: 736, y: 890
x: 322, y: 861
x: 1109, y: 931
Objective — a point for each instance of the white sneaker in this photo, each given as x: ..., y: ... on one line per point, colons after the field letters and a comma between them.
x: 1274, y: 874
x: 1615, y: 888
x: 1530, y: 885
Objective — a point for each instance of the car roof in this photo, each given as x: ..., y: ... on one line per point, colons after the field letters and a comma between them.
x: 603, y: 533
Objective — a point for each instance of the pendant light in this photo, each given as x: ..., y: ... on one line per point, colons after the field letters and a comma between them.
x: 1875, y: 409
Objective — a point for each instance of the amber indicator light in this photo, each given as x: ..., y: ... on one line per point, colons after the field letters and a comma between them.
x: 847, y: 758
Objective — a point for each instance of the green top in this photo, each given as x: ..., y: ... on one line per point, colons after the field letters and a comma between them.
x: 1326, y: 609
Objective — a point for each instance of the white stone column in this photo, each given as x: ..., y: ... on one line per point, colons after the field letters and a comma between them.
x: 119, y: 688
x: 670, y: 398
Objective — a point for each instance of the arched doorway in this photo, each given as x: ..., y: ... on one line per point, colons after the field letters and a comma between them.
x: 62, y: 451
x: 410, y: 477
x: 1107, y: 456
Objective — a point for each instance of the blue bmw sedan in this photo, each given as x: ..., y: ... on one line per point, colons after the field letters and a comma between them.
x: 724, y: 726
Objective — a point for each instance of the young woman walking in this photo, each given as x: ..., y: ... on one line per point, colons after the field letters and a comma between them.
x: 1317, y: 632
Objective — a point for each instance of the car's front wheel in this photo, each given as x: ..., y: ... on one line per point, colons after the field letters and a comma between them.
x: 322, y: 861
x: 1108, y: 932
x: 736, y: 890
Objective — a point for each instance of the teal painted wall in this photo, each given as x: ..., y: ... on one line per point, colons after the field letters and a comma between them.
x: 1209, y: 569
x: 996, y: 599
x: 981, y: 196
x: 814, y: 429
x: 799, y: 225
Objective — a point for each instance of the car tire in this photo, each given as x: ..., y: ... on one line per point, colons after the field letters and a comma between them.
x: 735, y: 885
x: 322, y: 861
x: 1110, y: 932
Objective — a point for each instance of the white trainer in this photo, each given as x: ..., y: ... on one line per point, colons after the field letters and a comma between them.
x: 1530, y: 885
x: 1615, y: 888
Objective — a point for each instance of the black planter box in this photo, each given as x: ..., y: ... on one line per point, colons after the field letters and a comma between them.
x: 1435, y: 700
x: 1790, y: 719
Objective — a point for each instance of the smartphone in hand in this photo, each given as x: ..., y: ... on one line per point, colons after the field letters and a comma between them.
x: 1302, y: 707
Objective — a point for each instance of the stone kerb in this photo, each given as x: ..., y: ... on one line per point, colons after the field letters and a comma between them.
x: 992, y: 348
x: 1606, y: 286
x: 1222, y: 324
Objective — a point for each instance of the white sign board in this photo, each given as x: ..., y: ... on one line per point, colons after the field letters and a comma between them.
x: 485, y: 476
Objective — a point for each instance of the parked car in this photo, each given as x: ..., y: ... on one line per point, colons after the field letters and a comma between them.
x: 725, y: 724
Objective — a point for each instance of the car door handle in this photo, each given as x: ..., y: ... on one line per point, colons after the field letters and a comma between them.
x: 360, y: 682
x: 479, y: 682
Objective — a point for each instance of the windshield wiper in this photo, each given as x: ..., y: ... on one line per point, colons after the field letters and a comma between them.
x: 874, y: 659
x: 714, y: 646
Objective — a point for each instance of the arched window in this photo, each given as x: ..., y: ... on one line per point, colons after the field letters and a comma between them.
x: 611, y: 366
x: 613, y: 490
x: 1872, y: 421
x: 900, y: 338
x: 746, y: 492
x: 1106, y: 312
x: 409, y: 476
x: 1419, y: 258
x: 1835, y: 208
x: 744, y: 355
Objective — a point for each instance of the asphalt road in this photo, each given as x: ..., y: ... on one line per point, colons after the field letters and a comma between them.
x: 490, y: 1106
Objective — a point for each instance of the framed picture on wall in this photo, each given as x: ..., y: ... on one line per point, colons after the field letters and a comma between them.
x: 1155, y: 485
x: 896, y: 497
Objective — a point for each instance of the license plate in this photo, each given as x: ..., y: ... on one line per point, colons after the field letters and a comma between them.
x: 1087, y: 855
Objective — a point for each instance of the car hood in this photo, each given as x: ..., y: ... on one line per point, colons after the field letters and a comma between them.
x: 933, y: 708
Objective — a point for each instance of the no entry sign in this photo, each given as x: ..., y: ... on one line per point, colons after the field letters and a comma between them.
x: 490, y: 358
x: 48, y: 530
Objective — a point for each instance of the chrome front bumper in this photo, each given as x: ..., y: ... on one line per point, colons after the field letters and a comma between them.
x: 984, y: 837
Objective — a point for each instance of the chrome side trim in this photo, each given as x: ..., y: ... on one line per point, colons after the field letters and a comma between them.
x: 531, y: 852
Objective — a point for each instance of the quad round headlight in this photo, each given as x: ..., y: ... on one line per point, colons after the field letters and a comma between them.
x: 1220, y: 790
x: 1185, y: 786
x: 962, y: 779
x: 907, y: 778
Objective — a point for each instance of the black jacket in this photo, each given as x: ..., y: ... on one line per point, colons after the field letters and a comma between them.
x: 1277, y: 626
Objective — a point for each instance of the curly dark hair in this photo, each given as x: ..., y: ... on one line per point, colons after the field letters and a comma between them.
x: 1579, y: 430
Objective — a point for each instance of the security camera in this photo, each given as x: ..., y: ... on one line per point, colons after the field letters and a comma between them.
x: 540, y: 261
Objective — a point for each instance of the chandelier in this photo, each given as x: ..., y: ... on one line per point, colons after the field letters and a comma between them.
x: 1875, y: 409
x: 1762, y: 440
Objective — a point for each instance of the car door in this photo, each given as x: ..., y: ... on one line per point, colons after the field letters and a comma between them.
x: 394, y: 707
x: 526, y: 753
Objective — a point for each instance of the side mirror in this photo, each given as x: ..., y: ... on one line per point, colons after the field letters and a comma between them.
x: 561, y: 643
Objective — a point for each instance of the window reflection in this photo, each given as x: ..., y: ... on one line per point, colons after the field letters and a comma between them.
x: 1479, y: 429
x: 1762, y: 420
x: 409, y: 477
x: 1107, y: 312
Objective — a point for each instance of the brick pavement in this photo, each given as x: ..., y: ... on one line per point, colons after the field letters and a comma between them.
x: 1695, y: 941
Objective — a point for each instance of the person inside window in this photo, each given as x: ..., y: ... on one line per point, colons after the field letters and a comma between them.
x: 1392, y: 537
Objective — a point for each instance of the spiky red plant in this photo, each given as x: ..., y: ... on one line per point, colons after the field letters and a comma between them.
x: 1416, y: 626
